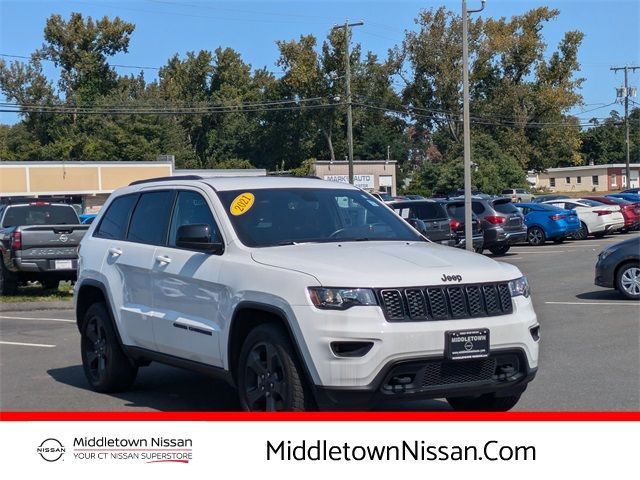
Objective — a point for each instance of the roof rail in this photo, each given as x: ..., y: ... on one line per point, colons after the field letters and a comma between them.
x: 167, y: 179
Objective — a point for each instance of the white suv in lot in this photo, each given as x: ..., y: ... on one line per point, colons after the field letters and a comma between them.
x: 300, y: 292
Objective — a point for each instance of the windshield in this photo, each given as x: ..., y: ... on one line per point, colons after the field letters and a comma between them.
x: 278, y: 216
x: 40, y: 214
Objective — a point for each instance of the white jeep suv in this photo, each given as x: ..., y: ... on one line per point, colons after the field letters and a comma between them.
x: 302, y: 293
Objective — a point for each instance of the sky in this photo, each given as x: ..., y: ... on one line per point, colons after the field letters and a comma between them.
x: 166, y: 27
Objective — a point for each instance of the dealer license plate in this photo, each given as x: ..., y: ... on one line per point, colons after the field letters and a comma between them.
x: 63, y: 264
x: 467, y: 344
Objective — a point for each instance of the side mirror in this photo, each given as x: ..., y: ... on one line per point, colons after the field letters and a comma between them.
x: 419, y: 225
x: 198, y: 237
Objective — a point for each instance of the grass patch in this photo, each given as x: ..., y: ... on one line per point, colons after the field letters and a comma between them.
x: 34, y: 292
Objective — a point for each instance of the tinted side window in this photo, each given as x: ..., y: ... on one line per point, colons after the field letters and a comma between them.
x: 477, y: 207
x: 114, y: 223
x: 192, y: 209
x: 151, y: 218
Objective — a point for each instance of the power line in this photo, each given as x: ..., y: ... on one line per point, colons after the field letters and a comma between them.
x: 497, y: 119
x: 140, y: 67
x: 477, y: 121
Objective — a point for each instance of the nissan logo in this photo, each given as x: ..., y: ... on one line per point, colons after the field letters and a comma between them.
x: 64, y: 238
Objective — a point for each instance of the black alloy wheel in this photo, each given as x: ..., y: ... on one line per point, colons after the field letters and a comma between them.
x: 105, y: 365
x: 268, y: 374
x: 265, y: 382
x: 94, y: 349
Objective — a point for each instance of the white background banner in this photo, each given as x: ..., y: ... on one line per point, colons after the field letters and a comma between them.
x: 238, y: 450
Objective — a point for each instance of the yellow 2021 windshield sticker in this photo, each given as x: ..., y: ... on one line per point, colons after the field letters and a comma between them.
x: 242, y: 203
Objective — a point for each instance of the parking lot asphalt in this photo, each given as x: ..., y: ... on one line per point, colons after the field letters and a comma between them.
x: 589, y: 361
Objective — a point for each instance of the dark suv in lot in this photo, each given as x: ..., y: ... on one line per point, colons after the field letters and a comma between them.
x: 437, y: 223
x: 455, y: 210
x: 502, y: 223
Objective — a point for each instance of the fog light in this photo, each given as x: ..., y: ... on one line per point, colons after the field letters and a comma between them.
x: 535, y: 332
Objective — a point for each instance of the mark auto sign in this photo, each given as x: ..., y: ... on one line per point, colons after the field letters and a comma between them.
x: 360, y: 181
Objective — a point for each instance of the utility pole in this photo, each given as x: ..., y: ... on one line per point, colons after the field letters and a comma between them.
x: 347, y: 38
x: 468, y: 225
x: 626, y: 94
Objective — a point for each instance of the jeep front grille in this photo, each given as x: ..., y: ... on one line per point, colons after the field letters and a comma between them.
x: 446, y: 302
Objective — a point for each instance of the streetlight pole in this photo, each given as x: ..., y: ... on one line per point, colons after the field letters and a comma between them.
x: 468, y: 225
x: 347, y: 38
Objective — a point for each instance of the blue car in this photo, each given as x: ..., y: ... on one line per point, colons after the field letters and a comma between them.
x: 546, y: 222
x: 631, y: 197
x: 87, y: 218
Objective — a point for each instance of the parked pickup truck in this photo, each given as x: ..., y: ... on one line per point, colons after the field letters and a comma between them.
x: 38, y: 241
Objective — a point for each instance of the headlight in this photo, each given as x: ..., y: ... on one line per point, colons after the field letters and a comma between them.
x: 606, y: 252
x: 520, y: 286
x: 341, y: 298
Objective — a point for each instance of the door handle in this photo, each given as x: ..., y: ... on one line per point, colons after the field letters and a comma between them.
x: 115, y: 251
x: 163, y: 259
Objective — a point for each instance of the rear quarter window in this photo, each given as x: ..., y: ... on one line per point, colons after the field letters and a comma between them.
x: 115, y: 221
x: 477, y: 207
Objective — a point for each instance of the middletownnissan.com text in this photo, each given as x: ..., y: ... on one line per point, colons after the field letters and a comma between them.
x: 417, y: 450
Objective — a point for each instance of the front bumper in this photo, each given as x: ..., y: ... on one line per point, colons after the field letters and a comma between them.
x: 394, y: 342
x: 428, y: 378
x: 604, y: 273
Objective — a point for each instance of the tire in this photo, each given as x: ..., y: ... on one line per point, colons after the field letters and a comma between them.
x: 536, y: 236
x: 559, y: 240
x: 499, y: 249
x: 8, y: 286
x: 484, y: 403
x: 268, y: 375
x: 478, y: 250
x: 50, y: 284
x: 599, y: 234
x: 105, y: 365
x: 583, y: 233
x: 628, y: 280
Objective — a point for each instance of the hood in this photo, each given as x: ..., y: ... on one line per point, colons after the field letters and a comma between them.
x: 385, y: 264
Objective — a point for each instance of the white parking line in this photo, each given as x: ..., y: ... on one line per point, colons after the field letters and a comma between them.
x: 541, y: 251
x: 628, y: 304
x: 2, y: 317
x: 27, y: 344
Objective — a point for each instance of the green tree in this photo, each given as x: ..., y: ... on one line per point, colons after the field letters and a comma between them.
x: 514, y: 90
x: 80, y: 47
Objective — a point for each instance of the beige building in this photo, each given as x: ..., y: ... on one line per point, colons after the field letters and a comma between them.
x: 589, y: 178
x: 89, y: 183
x: 374, y: 175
